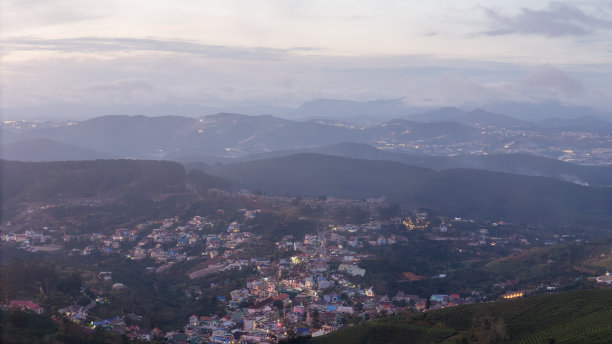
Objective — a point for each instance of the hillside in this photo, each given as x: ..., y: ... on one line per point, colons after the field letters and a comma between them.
x: 230, y: 135
x: 586, y: 123
x: 221, y: 134
x: 523, y: 164
x: 48, y: 150
x: 33, y: 181
x: 474, y: 117
x: 456, y: 192
x: 569, y: 317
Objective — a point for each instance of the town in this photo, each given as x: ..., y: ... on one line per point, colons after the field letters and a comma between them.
x: 308, y: 283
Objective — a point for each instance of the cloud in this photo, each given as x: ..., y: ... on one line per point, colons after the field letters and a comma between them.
x: 549, y: 77
x: 542, y: 84
x: 120, y: 44
x: 558, y: 19
x: 27, y: 14
x: 120, y: 91
x: 192, y: 77
x: 122, y: 85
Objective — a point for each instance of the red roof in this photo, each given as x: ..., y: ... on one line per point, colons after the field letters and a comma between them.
x: 26, y: 304
x: 262, y: 304
x: 282, y: 297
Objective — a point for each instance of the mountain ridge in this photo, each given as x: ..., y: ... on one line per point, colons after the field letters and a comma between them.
x: 455, y: 192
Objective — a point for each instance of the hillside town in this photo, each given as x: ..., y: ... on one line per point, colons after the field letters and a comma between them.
x: 307, y: 285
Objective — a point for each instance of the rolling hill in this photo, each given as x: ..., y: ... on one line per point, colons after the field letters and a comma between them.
x: 48, y: 150
x: 471, y: 118
x: 35, y: 181
x: 523, y: 164
x: 455, y: 192
x: 569, y: 317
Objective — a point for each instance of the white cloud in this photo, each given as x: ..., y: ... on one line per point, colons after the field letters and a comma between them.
x: 558, y: 19
x: 549, y: 77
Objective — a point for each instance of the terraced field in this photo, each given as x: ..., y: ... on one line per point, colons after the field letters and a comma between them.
x: 375, y: 332
x: 572, y: 317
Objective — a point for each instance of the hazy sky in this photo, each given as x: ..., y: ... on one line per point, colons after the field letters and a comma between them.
x: 284, y: 52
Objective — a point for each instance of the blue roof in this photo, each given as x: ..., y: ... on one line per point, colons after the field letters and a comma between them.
x: 438, y: 297
x: 106, y: 321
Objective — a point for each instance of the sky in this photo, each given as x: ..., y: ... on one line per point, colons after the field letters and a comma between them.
x: 286, y: 52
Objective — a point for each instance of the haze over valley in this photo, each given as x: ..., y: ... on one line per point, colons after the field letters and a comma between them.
x: 305, y: 172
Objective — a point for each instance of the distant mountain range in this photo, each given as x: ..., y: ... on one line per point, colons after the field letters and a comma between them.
x: 471, y: 118
x: 38, y: 149
x: 445, y: 132
x: 224, y: 138
x: 372, y: 111
x: 355, y: 111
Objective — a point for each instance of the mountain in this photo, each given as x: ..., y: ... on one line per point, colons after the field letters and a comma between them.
x: 444, y: 114
x: 356, y: 111
x: 527, y: 165
x: 471, y: 118
x: 541, y: 111
x: 523, y: 164
x: 456, y: 192
x: 587, y: 123
x: 48, y: 150
x: 234, y: 135
x: 123, y: 136
x: 228, y: 134
x: 34, y: 181
x: 41, y: 180
x: 221, y: 134
x: 402, y: 129
x: 316, y: 175
x: 72, y: 111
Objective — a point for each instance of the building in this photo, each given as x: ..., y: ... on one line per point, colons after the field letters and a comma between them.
x: 605, y: 279
x: 25, y: 306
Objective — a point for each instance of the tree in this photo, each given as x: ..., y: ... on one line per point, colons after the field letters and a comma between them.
x: 488, y: 329
x: 278, y: 304
x: 428, y: 302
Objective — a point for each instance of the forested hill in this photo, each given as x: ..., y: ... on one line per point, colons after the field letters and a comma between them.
x: 22, y: 181
x: 456, y: 192
x: 569, y: 317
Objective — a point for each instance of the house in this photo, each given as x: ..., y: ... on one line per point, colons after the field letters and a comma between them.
x: 284, y: 298
x: 263, y: 306
x: 74, y: 312
x: 439, y: 297
x: 344, y: 309
x: 352, y: 270
x: 605, y: 279
x: 194, y: 320
x: 25, y: 306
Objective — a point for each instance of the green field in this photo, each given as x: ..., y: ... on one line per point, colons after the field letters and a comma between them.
x: 572, y: 317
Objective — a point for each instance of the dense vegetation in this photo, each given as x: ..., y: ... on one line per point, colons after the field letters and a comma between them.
x: 46, y: 180
x: 570, y: 317
x: 458, y: 192
x: 523, y: 164
x: 135, y: 180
